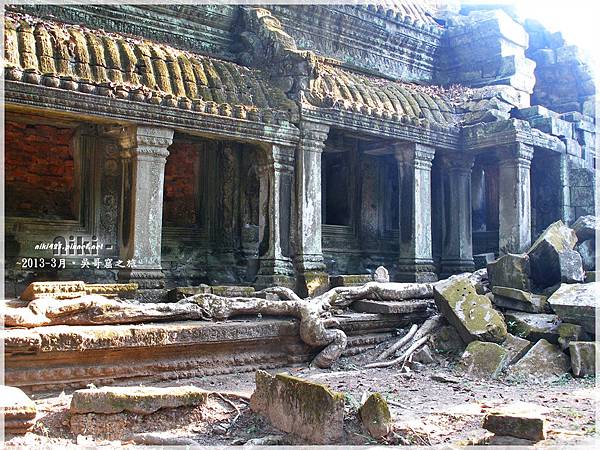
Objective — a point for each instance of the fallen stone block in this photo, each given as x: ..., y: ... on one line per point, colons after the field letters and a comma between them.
x: 510, y: 270
x: 376, y: 417
x: 585, y: 227
x: 550, y: 259
x: 483, y: 259
x: 391, y: 307
x: 583, y: 358
x: 423, y: 356
x: 53, y: 289
x: 571, y: 267
x: 483, y: 360
x: 447, y: 340
x: 544, y: 362
x: 591, y: 276
x: 18, y: 409
x: 516, y: 347
x: 568, y: 332
x: 533, y: 327
x: 587, y: 251
x: 520, y: 420
x: 516, y: 299
x: 136, y: 399
x: 470, y: 313
x: 308, y: 410
x: 577, y: 303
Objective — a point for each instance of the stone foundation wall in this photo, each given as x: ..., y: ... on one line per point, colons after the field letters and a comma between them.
x: 39, y: 171
x: 582, y: 191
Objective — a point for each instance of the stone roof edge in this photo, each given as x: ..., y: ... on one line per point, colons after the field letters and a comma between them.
x: 31, y: 96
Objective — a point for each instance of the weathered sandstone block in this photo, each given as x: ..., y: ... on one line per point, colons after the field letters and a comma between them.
x: 583, y: 358
x: 511, y: 298
x: 375, y: 415
x: 18, y: 409
x: 520, y: 420
x: 483, y: 360
x: 470, y: 313
x: 308, y: 410
x: 577, y: 303
x: 136, y: 399
x: 543, y: 362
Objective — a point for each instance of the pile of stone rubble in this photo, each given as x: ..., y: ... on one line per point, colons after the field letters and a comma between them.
x: 534, y: 318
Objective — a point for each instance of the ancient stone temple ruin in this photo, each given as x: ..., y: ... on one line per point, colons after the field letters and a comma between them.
x: 246, y: 146
x: 169, y: 167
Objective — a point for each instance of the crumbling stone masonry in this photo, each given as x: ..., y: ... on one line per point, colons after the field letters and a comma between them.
x: 285, y: 144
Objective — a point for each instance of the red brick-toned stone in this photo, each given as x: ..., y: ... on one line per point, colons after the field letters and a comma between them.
x: 39, y: 171
x: 181, y: 179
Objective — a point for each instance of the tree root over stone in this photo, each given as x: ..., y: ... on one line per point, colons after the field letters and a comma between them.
x: 316, y: 323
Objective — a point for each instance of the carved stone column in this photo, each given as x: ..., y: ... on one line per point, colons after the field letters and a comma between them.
x: 275, y: 220
x: 312, y: 275
x: 515, y: 198
x: 457, y: 243
x: 144, y: 153
x: 414, y: 173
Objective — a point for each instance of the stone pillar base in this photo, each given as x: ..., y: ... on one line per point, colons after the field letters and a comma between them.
x: 145, y: 278
x: 417, y: 273
x: 312, y: 283
x: 275, y: 272
x: 453, y: 267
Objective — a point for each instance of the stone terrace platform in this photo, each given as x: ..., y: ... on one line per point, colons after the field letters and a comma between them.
x: 58, y: 357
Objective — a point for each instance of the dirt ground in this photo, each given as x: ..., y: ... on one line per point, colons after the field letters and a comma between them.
x: 431, y: 405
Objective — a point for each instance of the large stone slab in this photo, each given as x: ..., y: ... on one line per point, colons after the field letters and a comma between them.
x: 385, y: 307
x: 533, y: 327
x: 510, y: 270
x: 520, y: 420
x: 18, y: 409
x: 511, y: 298
x: 375, y: 415
x: 583, y: 358
x: 483, y: 360
x: 544, y: 362
x: 587, y: 251
x: 551, y: 256
x: 585, y: 227
x: 470, y: 313
x: 577, y: 303
x: 136, y: 399
x: 306, y: 409
x: 516, y: 347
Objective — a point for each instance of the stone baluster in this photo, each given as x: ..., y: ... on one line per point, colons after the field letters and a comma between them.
x: 144, y: 153
x: 275, y: 220
x: 414, y: 172
x: 457, y: 244
x: 308, y: 259
x: 515, y: 198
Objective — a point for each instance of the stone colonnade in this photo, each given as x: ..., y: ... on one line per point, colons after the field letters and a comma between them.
x: 290, y: 208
